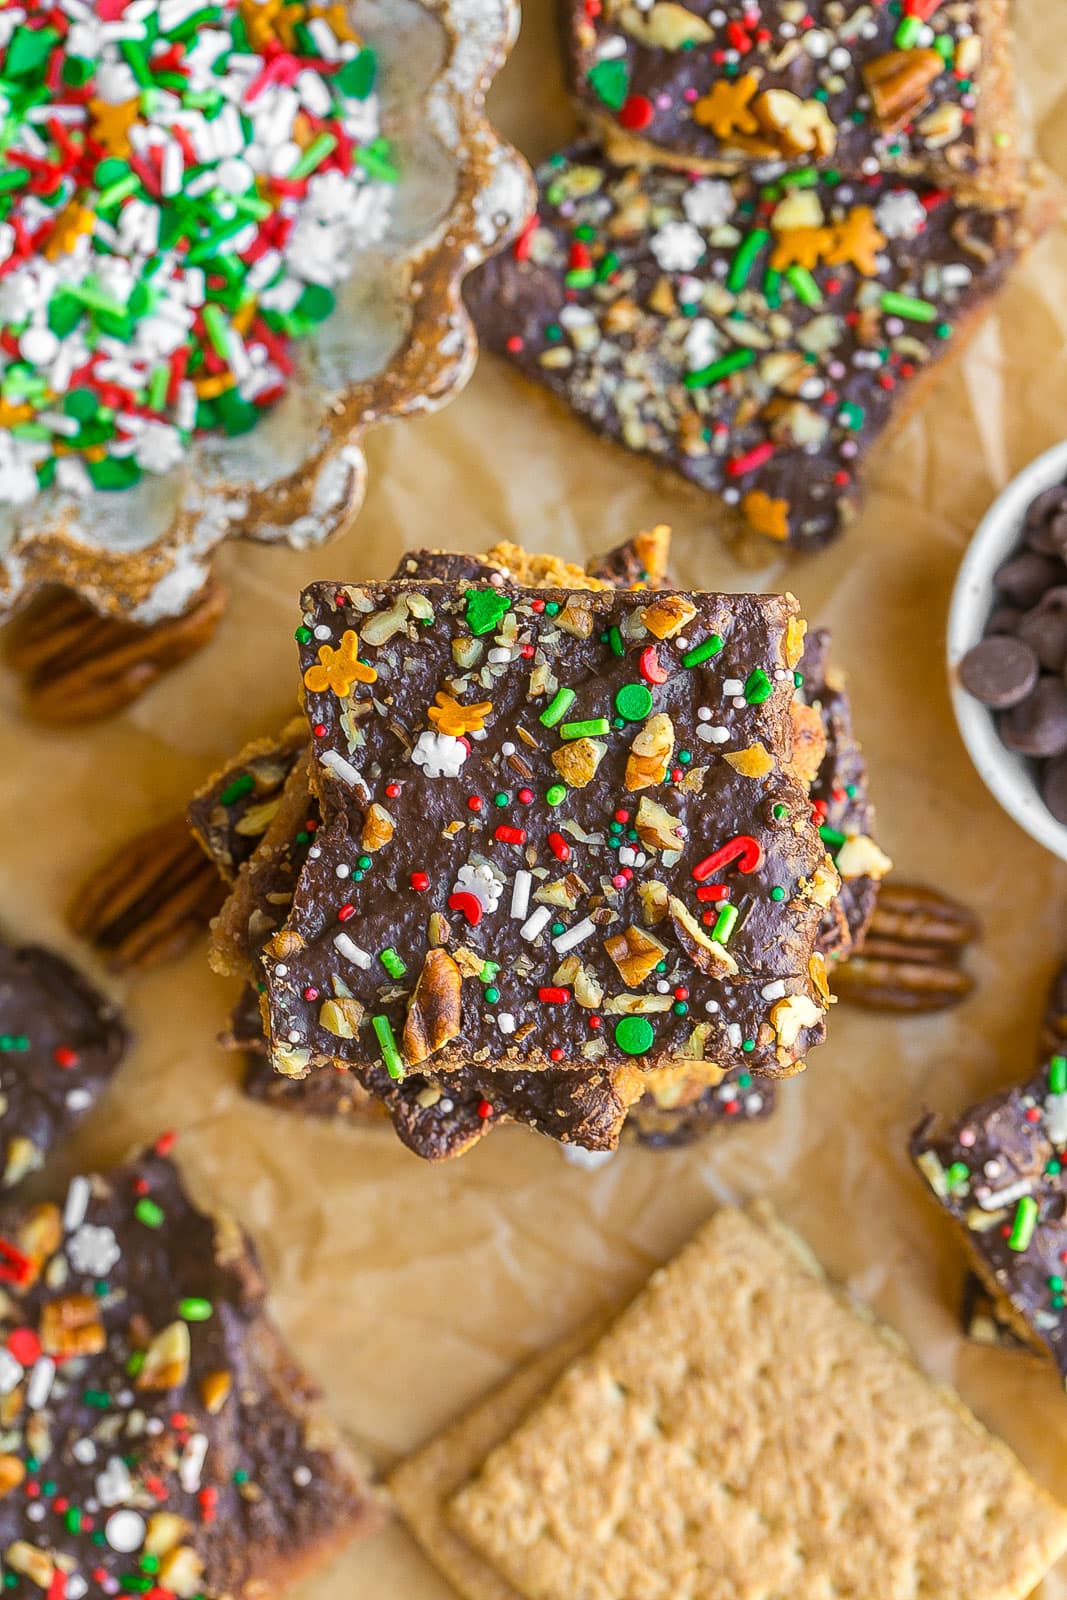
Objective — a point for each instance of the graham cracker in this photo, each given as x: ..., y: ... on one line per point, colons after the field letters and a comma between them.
x: 422, y: 1486
x: 742, y: 1432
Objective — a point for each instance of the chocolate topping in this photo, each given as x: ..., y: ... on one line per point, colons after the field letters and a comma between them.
x: 60, y: 1042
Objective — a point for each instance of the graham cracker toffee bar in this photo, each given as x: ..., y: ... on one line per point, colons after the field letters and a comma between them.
x: 531, y: 805
x: 757, y: 338
x: 159, y: 1437
x: 925, y: 89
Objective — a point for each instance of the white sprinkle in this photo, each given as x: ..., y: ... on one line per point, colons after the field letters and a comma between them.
x: 732, y: 686
x: 77, y: 1588
x: 507, y: 749
x: 343, y: 869
x: 773, y: 991
x: 11, y: 1371
x: 520, y: 894
x: 352, y: 952
x: 77, y: 1203
x: 281, y: 970
x: 993, y: 1199
x: 40, y: 1385
x: 733, y: 1033
x: 125, y: 1531
x: 323, y: 632
x: 711, y: 1007
x: 590, y: 1160
x: 114, y: 1484
x: 573, y: 936
x: 505, y: 1022
x: 336, y: 763
x: 711, y: 734
x: 301, y: 1476
x: 84, y: 1452
x: 534, y: 923
x: 192, y: 1462
x: 1056, y: 1119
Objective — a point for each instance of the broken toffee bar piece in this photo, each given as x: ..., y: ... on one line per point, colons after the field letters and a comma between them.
x: 60, y: 1043
x: 856, y: 88
x: 564, y: 830
x: 757, y: 338
x: 998, y: 1170
x: 165, y: 1438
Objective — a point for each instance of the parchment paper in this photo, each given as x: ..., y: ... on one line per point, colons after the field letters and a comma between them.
x: 409, y: 1289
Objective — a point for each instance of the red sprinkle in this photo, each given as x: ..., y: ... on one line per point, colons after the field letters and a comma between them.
x: 166, y: 1142
x: 555, y: 1054
x: 637, y: 112
x: 484, y: 1109
x: 596, y: 1022
x: 508, y: 835
x: 311, y: 993
x: 420, y: 881
x: 559, y: 847
x: 346, y: 911
x: 320, y: 730
x: 474, y: 803
x: 526, y: 796
x: 714, y: 891
x: 650, y: 668
x: 65, y: 1057
x: 553, y: 996
x: 392, y: 790
x: 24, y: 1345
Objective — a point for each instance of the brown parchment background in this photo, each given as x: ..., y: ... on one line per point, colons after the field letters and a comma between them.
x: 408, y: 1289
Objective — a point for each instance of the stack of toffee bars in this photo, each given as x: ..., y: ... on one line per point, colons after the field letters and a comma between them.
x: 785, y: 215
x: 549, y: 846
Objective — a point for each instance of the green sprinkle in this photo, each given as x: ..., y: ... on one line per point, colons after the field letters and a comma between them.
x: 591, y: 728
x: 1022, y: 1228
x: 394, y: 1065
x: 485, y: 609
x: 745, y: 259
x: 906, y: 305
x: 758, y: 687
x: 615, y: 643
x: 557, y: 707
x: 555, y: 794
x: 634, y: 702
x: 957, y: 1174
x: 393, y: 963
x: 777, y: 893
x: 736, y: 361
x: 908, y: 33
x: 634, y: 1035
x: 1057, y: 1075
x: 237, y: 789
x: 501, y: 799
x: 703, y: 652
x: 610, y: 81
x: 492, y: 995
x: 832, y: 836
x: 149, y: 1213
x: 724, y: 924
x: 803, y: 285
x: 194, y: 1309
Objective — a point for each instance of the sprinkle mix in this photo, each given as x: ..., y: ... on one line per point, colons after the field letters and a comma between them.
x: 182, y: 189
x: 864, y: 86
x: 553, y: 828
x: 756, y: 337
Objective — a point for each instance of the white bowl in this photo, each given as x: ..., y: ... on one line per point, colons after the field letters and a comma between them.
x: 1008, y: 776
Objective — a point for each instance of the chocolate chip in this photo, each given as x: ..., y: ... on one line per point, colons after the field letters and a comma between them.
x: 1054, y: 787
x: 1005, y: 619
x: 1044, y: 629
x: 1045, y: 507
x: 1056, y: 533
x: 1038, y: 726
x: 999, y: 671
x: 1025, y: 577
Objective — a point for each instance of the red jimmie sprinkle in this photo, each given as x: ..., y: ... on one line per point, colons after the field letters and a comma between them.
x: 508, y: 835
x: 14, y: 1266
x: 650, y: 668
x: 553, y: 996
x: 714, y: 891
x: 346, y: 911
x: 166, y: 1142
x: 559, y: 847
x: 65, y: 1057
x: 752, y: 459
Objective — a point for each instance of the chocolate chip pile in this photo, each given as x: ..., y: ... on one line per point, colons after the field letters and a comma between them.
x: 1019, y: 668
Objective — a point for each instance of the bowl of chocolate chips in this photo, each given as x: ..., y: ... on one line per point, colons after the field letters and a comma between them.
x: 1007, y: 649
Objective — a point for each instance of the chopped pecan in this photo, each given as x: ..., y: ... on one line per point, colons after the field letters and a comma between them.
x: 910, y: 961
x: 708, y: 954
x: 657, y: 828
x: 70, y: 1326
x: 899, y: 83
x: 78, y: 666
x: 435, y: 1011
x: 650, y: 753
x: 667, y: 616
x: 793, y: 126
x: 12, y: 1473
x: 166, y: 1362
x: 150, y: 901
x: 636, y: 954
x: 378, y: 827
x: 577, y: 760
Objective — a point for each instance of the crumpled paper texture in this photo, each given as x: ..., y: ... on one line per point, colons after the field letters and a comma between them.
x: 409, y: 1290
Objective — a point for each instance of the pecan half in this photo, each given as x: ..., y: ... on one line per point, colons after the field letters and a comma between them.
x: 150, y: 901
x: 910, y: 961
x: 78, y: 667
x: 899, y: 83
x: 435, y: 1011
